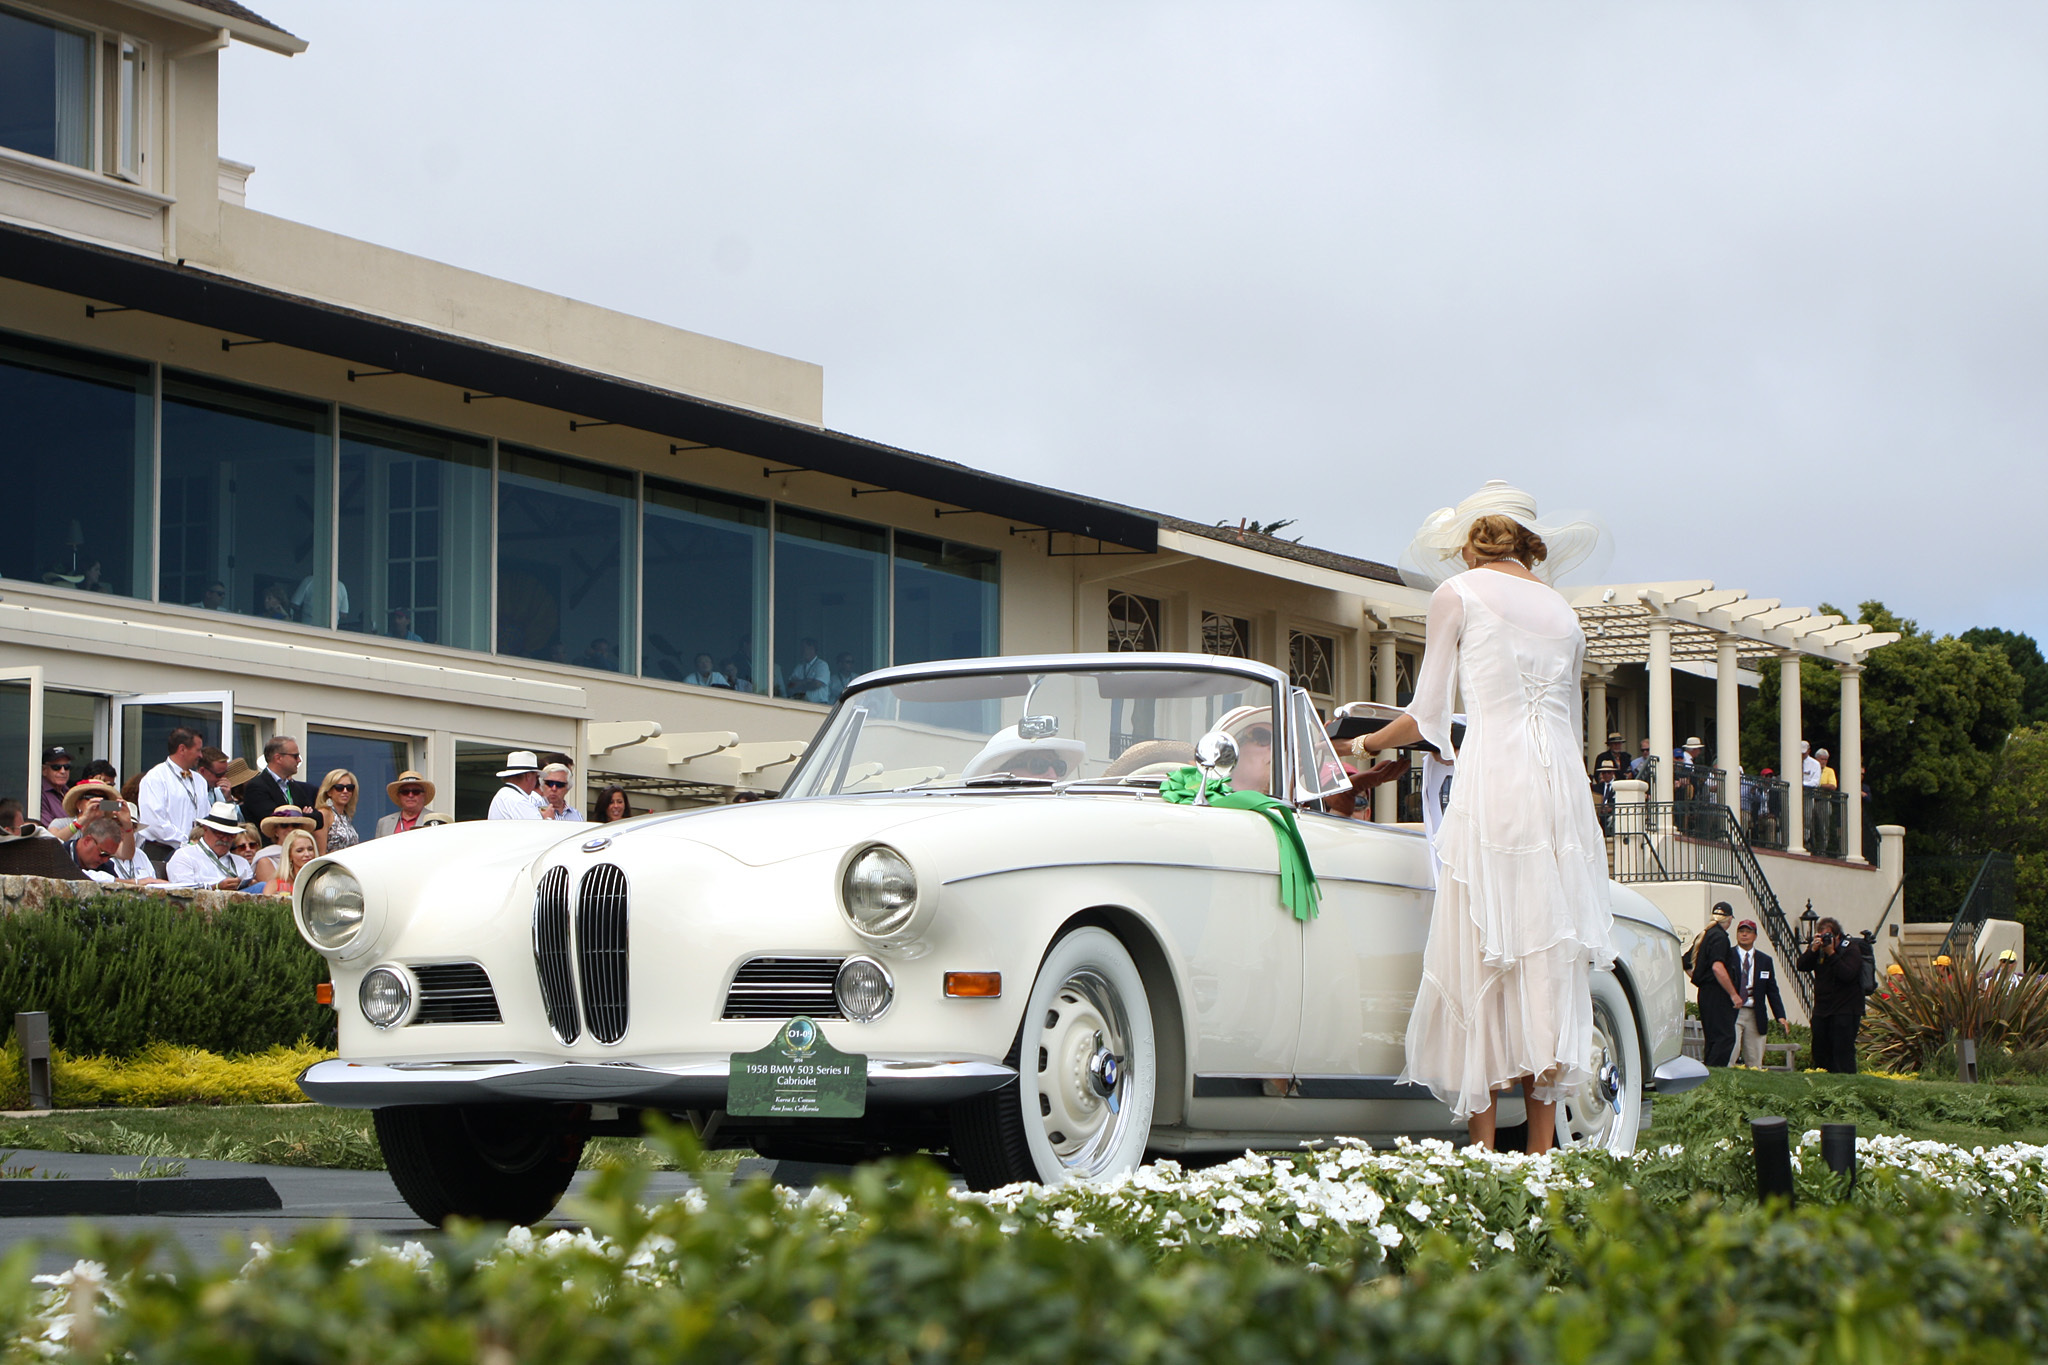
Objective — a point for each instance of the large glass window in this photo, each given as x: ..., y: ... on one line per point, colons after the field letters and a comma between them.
x: 706, y: 588
x: 831, y: 603
x: 376, y: 761
x: 74, y: 442
x: 45, y: 89
x: 246, y: 503
x: 945, y: 600
x: 415, y: 533
x: 565, y: 561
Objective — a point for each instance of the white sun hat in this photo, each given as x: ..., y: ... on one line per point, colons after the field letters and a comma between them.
x: 1576, y: 540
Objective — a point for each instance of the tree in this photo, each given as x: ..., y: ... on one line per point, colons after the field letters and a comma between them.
x: 2024, y: 654
x: 1936, y: 712
x: 2015, y: 821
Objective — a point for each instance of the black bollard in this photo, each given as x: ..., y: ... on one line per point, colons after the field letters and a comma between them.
x: 1838, y: 1148
x: 1773, y: 1158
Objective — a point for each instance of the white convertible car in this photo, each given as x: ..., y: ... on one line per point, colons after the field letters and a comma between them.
x: 972, y: 924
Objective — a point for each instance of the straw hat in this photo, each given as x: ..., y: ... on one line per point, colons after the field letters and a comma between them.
x: 286, y: 817
x: 84, y: 792
x: 238, y: 772
x: 1437, y: 551
x: 408, y: 778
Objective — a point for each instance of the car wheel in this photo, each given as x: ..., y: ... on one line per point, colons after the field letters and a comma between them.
x: 1608, y: 1112
x: 505, y: 1163
x: 1081, y: 1106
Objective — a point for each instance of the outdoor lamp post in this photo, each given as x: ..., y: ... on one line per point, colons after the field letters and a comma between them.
x: 1807, y: 922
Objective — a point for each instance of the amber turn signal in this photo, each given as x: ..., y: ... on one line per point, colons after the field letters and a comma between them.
x: 974, y: 985
x: 324, y: 992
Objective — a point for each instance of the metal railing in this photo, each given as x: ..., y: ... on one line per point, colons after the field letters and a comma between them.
x: 1687, y: 841
x: 1989, y: 889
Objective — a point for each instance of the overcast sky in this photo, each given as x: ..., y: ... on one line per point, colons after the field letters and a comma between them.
x: 1765, y: 285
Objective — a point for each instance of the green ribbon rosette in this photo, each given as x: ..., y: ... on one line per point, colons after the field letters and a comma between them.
x: 1299, y: 890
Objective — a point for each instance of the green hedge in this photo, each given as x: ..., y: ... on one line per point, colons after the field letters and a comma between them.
x: 117, y: 973
x: 918, y: 1275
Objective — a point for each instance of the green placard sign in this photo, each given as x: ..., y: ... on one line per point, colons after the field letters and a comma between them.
x: 799, y: 1075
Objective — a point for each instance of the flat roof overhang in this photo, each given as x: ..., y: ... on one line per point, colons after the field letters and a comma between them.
x: 190, y: 295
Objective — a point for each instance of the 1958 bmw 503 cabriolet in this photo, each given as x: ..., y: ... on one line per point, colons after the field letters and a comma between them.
x: 973, y: 924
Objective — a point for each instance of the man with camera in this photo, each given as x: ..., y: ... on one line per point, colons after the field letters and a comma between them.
x: 1837, y: 966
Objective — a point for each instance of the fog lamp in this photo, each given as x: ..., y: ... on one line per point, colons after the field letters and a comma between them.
x: 863, y: 989
x: 385, y: 995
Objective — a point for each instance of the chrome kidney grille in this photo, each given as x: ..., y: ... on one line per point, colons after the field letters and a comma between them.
x: 601, y: 950
x: 581, y: 959
x: 783, y: 987
x: 551, y: 954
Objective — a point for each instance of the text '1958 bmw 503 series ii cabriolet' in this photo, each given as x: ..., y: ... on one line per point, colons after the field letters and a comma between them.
x: 993, y: 915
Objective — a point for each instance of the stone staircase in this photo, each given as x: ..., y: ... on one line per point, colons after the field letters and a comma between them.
x: 1916, y: 945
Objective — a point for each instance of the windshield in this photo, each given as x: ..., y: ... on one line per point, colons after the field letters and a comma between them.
x: 1035, y: 729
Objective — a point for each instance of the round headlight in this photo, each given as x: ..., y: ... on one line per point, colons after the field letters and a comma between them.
x: 863, y: 989
x: 880, y: 892
x: 385, y: 995
x: 331, y: 907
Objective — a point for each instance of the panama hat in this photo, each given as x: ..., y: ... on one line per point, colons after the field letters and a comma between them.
x: 84, y: 792
x: 1436, y: 554
x: 237, y: 773
x: 409, y: 778
x: 520, y: 761
x: 224, y: 818
x: 286, y: 817
x: 1692, y: 742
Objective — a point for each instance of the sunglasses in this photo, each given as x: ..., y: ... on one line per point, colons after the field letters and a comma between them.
x: 1043, y: 763
x: 60, y: 767
x: 343, y: 787
x: 245, y: 846
x: 412, y: 791
x: 556, y: 785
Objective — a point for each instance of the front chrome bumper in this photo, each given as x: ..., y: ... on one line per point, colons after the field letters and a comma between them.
x: 682, y: 1083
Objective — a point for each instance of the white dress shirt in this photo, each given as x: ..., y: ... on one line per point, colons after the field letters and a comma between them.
x: 812, y: 681
x: 172, y: 800
x: 712, y: 679
x: 1748, y: 974
x: 197, y: 865
x: 513, y: 804
x: 1809, y: 771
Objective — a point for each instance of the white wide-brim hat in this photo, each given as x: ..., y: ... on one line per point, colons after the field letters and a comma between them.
x: 1575, y: 540
x: 520, y: 761
x: 1006, y: 746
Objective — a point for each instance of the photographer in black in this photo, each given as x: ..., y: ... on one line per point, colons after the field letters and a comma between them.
x: 1837, y: 966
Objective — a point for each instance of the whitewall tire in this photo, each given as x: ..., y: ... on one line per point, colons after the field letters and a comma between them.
x: 1087, y: 1072
x: 1608, y: 1111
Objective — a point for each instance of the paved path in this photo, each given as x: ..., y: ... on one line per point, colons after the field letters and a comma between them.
x: 366, y: 1200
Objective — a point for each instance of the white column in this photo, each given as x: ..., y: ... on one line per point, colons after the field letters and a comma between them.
x: 1728, y: 726
x: 1789, y: 766
x: 1596, y: 715
x: 1850, y: 771
x: 1659, y: 667
x: 1386, y: 798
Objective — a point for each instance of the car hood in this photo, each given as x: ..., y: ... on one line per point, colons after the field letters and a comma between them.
x: 760, y: 833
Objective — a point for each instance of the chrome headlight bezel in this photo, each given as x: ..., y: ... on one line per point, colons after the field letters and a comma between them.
x: 401, y: 990
x: 321, y: 907
x: 878, y: 894
x: 863, y: 965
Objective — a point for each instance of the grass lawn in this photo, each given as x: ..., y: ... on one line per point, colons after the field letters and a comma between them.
x: 1940, y: 1111
x: 310, y: 1135
x: 271, y: 1134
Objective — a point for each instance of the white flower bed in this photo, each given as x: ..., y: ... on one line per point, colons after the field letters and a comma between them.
x: 1349, y: 1202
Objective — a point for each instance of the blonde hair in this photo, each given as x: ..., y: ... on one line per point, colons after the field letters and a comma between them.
x: 284, y: 849
x: 326, y: 793
x: 1498, y: 537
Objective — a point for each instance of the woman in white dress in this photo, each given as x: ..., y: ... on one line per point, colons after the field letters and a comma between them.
x: 1522, y: 916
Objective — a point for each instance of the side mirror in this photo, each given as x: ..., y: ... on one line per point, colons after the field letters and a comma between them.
x: 1216, y: 757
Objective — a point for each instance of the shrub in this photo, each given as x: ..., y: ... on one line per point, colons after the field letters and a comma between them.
x: 164, y: 1074
x: 897, y: 1268
x: 1915, y: 1014
x: 117, y: 973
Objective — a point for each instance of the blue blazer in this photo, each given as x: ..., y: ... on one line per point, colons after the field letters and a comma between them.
x: 1769, y: 1004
